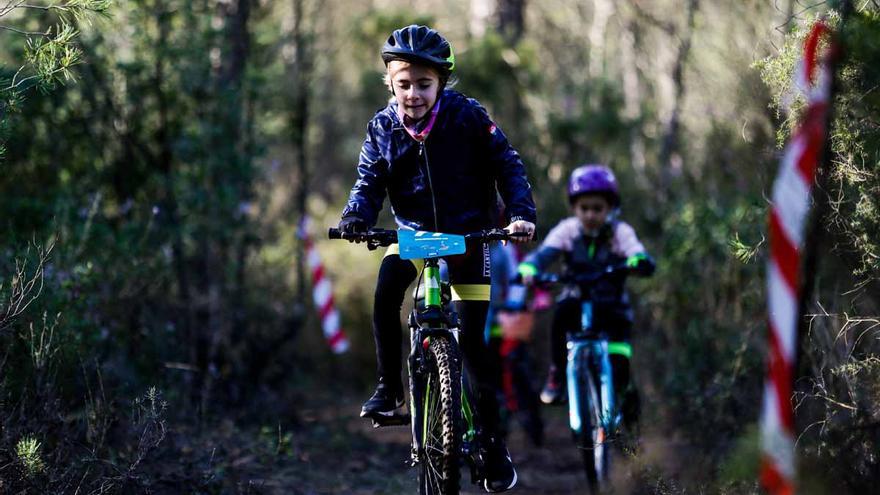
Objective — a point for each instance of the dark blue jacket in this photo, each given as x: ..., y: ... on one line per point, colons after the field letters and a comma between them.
x: 450, y: 177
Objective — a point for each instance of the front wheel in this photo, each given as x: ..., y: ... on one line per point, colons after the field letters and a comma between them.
x: 592, y: 439
x: 441, y: 430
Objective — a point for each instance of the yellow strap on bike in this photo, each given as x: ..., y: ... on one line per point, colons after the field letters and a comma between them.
x: 419, y: 264
x: 620, y: 348
x: 470, y: 292
x: 460, y: 292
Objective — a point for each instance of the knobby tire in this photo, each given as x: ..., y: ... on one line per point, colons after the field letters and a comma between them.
x: 439, y: 459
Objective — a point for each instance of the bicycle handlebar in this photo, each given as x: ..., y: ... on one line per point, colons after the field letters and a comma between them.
x: 384, y: 237
x: 493, y: 235
x: 380, y: 236
x: 582, y: 278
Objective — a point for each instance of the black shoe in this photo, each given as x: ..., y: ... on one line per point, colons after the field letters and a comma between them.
x: 554, y: 390
x: 499, y: 474
x: 384, y: 402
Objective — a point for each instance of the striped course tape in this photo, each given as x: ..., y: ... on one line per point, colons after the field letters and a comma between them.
x: 788, y: 214
x: 322, y: 293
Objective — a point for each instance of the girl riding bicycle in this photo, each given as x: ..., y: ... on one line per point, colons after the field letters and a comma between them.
x: 439, y: 158
x: 591, y: 240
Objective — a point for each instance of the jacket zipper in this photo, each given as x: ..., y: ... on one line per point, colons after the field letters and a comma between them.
x: 424, y: 152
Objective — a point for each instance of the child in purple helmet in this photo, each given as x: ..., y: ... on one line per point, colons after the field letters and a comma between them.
x: 590, y: 240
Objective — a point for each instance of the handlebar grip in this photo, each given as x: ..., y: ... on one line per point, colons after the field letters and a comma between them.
x: 334, y: 233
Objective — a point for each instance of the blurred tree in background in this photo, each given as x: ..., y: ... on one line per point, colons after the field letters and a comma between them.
x: 154, y: 203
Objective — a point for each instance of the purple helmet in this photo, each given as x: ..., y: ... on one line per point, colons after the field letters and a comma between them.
x: 594, y: 179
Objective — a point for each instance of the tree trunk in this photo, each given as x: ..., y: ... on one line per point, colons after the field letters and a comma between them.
x: 632, y: 97
x: 670, y: 161
x: 602, y: 10
x: 511, y: 19
x: 300, y: 71
x: 226, y: 172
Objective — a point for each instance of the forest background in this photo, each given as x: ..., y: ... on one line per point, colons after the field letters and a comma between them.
x: 157, y: 333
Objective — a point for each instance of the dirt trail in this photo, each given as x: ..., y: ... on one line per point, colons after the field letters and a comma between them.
x: 330, y: 451
x: 552, y: 469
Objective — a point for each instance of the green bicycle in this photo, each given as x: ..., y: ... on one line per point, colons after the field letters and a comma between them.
x: 445, y: 429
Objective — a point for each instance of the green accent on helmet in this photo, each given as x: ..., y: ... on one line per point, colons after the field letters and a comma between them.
x: 451, y: 59
x: 527, y: 270
x: 621, y: 349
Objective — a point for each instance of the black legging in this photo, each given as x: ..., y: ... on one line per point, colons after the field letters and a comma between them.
x: 395, y: 276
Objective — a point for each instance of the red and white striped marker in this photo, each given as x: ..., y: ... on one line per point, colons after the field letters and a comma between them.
x: 322, y: 292
x: 791, y: 204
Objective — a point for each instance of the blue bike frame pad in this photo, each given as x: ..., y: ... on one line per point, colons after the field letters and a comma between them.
x: 418, y: 244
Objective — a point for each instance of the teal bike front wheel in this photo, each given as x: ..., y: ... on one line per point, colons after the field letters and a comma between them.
x: 592, y: 439
x: 589, y: 429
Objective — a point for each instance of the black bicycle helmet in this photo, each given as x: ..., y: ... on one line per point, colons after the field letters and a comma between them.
x: 420, y: 44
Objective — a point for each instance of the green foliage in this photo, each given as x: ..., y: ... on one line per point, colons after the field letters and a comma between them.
x: 42, y: 343
x: 49, y: 57
x: 28, y: 452
x: 856, y: 143
x: 373, y: 29
x: 742, y: 251
x: 742, y: 463
x: 838, y: 396
x: 497, y: 74
x: 778, y: 73
x: 714, y: 360
x: 144, y: 174
x: 855, y: 140
x: 838, y: 401
x: 166, y: 177
x: 52, y: 57
x: 370, y: 33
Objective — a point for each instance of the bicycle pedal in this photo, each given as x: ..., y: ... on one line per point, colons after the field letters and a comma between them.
x: 393, y: 420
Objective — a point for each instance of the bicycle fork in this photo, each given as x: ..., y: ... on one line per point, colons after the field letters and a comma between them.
x: 590, y: 356
x: 417, y: 385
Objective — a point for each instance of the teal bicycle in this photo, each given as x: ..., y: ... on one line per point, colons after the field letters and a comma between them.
x: 445, y: 428
x: 594, y: 417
